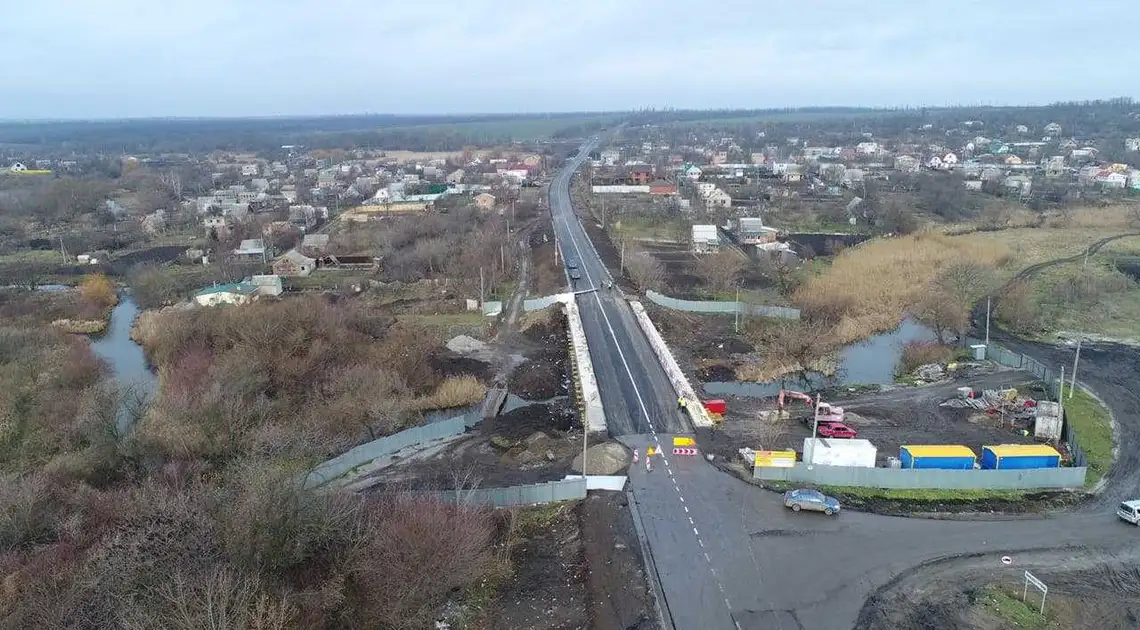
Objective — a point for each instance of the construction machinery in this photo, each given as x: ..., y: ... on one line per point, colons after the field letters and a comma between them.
x: 824, y: 412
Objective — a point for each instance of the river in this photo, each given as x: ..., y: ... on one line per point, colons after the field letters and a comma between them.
x: 126, y: 358
x: 871, y: 362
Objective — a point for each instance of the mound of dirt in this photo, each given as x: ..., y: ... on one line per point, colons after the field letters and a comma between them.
x: 520, y: 423
x: 603, y: 459
x: 446, y: 363
x: 547, y: 372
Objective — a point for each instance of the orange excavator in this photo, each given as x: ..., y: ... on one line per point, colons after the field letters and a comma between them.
x: 824, y: 411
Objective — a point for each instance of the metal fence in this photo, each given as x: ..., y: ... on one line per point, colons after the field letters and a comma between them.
x: 909, y: 478
x: 549, y: 492
x: 1047, y: 376
x: 341, y: 464
x: 714, y: 306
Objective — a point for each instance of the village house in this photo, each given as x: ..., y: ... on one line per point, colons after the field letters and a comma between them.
x: 752, y: 231
x: 251, y: 249
x: 906, y: 164
x: 314, y: 244
x: 718, y: 199
x: 456, y: 176
x: 706, y: 239
x: 639, y: 174
x: 662, y: 187
x: 294, y: 264
x: 232, y: 293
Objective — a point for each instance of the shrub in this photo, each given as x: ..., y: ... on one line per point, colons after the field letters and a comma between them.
x: 97, y: 290
x: 917, y: 353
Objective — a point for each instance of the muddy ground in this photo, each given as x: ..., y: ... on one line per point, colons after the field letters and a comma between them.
x: 581, y: 567
x: 706, y: 346
x: 905, y: 415
x: 683, y: 276
x: 532, y: 444
x: 1096, y: 593
x: 547, y: 274
x: 545, y: 344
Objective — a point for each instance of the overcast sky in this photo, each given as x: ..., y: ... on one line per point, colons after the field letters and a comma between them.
x: 130, y: 58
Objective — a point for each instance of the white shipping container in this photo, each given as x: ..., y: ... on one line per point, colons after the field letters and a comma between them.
x: 835, y: 452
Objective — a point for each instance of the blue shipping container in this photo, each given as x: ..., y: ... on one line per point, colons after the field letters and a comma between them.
x: 999, y: 458
x: 937, y: 457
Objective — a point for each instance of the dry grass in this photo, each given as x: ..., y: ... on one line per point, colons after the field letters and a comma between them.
x: 919, y: 353
x: 456, y: 391
x: 869, y: 288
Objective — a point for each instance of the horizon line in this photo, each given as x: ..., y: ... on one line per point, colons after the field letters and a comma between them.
x: 560, y: 114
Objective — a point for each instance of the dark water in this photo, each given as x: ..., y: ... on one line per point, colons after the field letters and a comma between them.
x: 871, y: 362
x: 125, y: 357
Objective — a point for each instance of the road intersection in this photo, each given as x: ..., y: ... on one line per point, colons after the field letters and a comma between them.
x: 727, y: 554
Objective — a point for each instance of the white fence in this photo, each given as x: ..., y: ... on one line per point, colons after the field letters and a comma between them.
x: 713, y: 306
x: 910, y: 478
x: 549, y: 492
x: 619, y: 189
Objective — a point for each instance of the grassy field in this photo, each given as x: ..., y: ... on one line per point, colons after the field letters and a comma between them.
x: 932, y: 495
x: 1108, y: 300
x: 639, y: 228
x: 1090, y: 422
x: 874, y: 284
x: 1011, y: 610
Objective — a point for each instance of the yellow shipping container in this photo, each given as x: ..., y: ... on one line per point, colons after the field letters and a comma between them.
x: 775, y: 459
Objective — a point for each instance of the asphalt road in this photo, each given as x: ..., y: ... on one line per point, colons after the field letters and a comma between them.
x: 635, y: 392
x: 728, y: 554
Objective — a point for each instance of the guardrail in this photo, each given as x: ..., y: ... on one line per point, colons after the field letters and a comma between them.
x: 715, y: 306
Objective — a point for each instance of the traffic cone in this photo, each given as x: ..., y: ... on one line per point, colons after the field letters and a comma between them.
x: 635, y: 451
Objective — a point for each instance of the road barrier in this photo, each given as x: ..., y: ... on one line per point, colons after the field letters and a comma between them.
x: 684, y: 441
x: 684, y: 451
x: 716, y: 306
x: 585, y: 383
x: 911, y: 478
x: 677, y: 377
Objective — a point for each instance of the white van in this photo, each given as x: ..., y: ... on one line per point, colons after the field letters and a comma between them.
x: 1130, y: 511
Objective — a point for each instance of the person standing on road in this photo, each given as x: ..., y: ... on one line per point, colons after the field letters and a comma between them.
x: 681, y: 402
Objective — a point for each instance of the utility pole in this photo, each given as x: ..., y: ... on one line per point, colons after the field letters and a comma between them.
x: 1085, y: 264
x: 603, y: 212
x: 736, y: 319
x: 480, y: 288
x: 502, y: 259
x: 987, y: 324
x: 814, y: 429
x: 585, y: 435
x: 1061, y: 388
x: 623, y: 256
x: 1076, y: 360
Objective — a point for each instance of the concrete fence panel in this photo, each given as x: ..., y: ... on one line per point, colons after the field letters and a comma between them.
x: 537, y: 304
x: 341, y: 464
x: 533, y: 494
x: 714, y: 306
x: 909, y: 478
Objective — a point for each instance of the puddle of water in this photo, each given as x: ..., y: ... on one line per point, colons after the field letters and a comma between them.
x: 871, y: 362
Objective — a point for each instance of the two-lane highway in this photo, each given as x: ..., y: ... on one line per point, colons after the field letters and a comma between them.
x: 635, y: 392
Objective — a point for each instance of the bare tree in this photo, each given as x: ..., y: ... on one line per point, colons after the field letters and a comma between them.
x: 644, y: 269
x: 721, y: 270
x: 942, y: 314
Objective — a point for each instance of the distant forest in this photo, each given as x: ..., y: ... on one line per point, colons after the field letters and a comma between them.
x: 197, y: 135
x: 1102, y: 122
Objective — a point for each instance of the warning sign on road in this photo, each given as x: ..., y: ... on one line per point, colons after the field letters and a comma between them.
x: 684, y: 441
x: 684, y: 451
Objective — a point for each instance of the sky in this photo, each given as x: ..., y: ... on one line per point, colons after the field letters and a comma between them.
x: 144, y: 58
